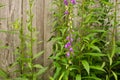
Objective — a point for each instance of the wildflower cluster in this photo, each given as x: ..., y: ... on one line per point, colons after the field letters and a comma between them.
x: 68, y: 45
x: 66, y: 5
x: 69, y: 13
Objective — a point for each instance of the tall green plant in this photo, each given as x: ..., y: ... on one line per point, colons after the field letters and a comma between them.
x: 25, y: 55
x: 94, y: 43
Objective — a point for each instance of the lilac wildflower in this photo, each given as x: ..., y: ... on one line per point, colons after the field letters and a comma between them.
x: 67, y: 45
x: 71, y: 49
x: 67, y: 38
x: 71, y: 39
x: 68, y: 54
x: 66, y: 12
x: 73, y: 1
x: 65, y: 2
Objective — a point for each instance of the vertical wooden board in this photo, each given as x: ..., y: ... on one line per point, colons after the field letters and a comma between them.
x: 47, y: 35
x: 34, y: 26
x: 11, y: 12
x: 24, y: 7
x: 118, y: 19
x: 40, y: 27
x: 10, y: 39
x: 3, y: 51
x: 13, y: 39
x: 3, y: 22
x: 15, y: 14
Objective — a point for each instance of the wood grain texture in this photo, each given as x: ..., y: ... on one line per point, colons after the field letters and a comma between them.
x: 47, y: 35
x: 10, y: 13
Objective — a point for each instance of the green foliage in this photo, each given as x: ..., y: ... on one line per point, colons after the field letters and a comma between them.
x: 86, y: 66
x: 78, y: 77
x: 25, y: 55
x: 3, y: 74
x: 1, y: 5
x: 96, y: 48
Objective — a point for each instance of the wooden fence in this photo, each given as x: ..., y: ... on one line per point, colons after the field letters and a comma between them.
x: 16, y: 9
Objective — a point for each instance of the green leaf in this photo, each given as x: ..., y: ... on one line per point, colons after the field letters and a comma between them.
x: 16, y: 25
x: 74, y: 67
x: 107, y: 78
x: 115, y: 64
x: 91, y: 78
x: 103, y: 65
x: 94, y: 41
x: 94, y: 54
x: 63, y: 31
x: 86, y: 66
x: 1, y: 5
x: 96, y: 31
x: 113, y: 50
x: 97, y: 68
x: 38, y: 55
x: 4, y: 47
x: 110, y: 59
x: 106, y: 3
x: 13, y: 65
x: 41, y: 71
x: 3, y: 74
x: 30, y: 65
x: 95, y: 48
x: 57, y: 72
x: 20, y: 78
x: 66, y: 76
x: 61, y: 76
x: 88, y: 18
x: 38, y: 66
x: 51, y: 78
x: 78, y: 77
x: 115, y: 76
x: 56, y: 39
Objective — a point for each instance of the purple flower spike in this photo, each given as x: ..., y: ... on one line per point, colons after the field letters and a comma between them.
x: 68, y: 54
x: 67, y: 45
x: 66, y: 12
x: 73, y: 1
x: 71, y: 49
x: 65, y: 2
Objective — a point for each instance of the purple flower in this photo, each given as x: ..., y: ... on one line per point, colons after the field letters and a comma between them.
x: 71, y: 49
x: 71, y: 39
x: 66, y: 12
x: 73, y: 1
x: 67, y: 38
x: 65, y: 2
x: 67, y: 45
x: 68, y: 54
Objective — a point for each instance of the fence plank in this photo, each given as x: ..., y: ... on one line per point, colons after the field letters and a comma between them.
x: 8, y: 39
x: 47, y: 35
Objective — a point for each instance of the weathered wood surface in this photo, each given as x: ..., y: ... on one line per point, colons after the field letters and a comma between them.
x: 16, y: 9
